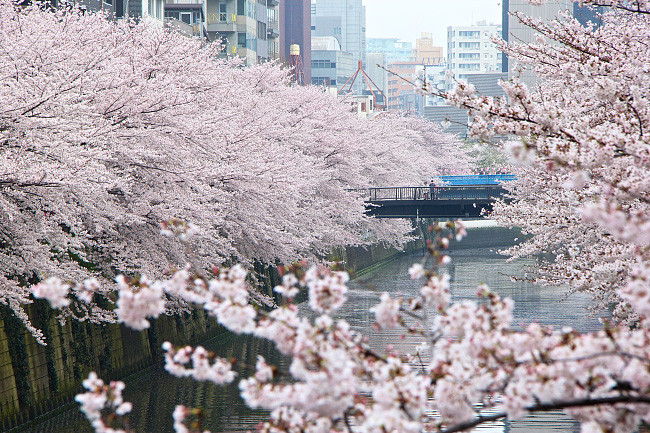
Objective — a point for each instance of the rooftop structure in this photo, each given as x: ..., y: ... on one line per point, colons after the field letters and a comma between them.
x: 331, y: 67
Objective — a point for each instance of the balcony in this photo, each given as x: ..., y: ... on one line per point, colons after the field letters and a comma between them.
x: 183, y: 2
x: 220, y: 22
x: 272, y: 29
x: 186, y: 29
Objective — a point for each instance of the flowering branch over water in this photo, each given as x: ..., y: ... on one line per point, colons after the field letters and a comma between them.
x: 475, y: 361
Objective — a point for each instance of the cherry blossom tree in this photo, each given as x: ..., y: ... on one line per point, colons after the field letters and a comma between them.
x: 584, y: 127
x: 109, y: 128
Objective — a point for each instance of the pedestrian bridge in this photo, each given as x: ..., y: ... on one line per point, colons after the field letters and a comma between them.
x: 449, y: 201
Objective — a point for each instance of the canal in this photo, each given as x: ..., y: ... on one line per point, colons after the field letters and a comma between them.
x: 154, y: 393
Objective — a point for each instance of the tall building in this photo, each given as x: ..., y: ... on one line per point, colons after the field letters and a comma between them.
x: 343, y: 19
x: 295, y: 29
x: 470, y: 50
x: 426, y: 53
x: 548, y: 11
x: 147, y: 9
x: 515, y: 31
x: 588, y: 14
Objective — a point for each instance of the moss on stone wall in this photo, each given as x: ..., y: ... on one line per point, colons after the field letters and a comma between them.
x: 36, y: 378
x: 15, y: 331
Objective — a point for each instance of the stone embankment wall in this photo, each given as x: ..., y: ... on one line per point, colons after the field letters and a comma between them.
x: 36, y: 379
x: 359, y: 261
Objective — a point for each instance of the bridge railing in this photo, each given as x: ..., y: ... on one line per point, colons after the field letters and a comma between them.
x: 476, y: 179
x: 474, y: 192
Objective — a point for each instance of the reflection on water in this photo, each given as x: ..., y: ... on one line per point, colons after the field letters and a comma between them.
x: 155, y: 393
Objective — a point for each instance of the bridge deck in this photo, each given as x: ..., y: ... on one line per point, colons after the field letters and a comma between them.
x: 465, y: 192
x: 431, y: 201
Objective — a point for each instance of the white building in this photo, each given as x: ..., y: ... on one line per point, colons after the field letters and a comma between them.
x: 146, y: 9
x: 470, y: 50
x: 330, y: 67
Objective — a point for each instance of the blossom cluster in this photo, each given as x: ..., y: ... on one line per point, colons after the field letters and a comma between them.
x: 218, y: 371
x: 102, y: 400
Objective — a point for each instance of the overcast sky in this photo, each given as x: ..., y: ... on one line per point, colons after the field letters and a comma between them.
x: 406, y: 19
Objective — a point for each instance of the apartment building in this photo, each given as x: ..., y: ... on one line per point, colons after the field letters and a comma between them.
x: 470, y: 50
x: 247, y: 28
x: 426, y: 52
x: 397, y: 86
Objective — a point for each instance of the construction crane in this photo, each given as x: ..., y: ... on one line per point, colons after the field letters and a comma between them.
x: 373, y: 91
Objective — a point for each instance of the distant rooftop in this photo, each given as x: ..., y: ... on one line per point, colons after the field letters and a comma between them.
x: 325, y: 43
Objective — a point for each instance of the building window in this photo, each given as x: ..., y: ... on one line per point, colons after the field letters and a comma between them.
x: 261, y: 30
x: 469, y: 34
x: 470, y: 45
x: 469, y: 66
x: 323, y: 64
x: 186, y: 17
x: 320, y: 81
x: 222, y: 12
